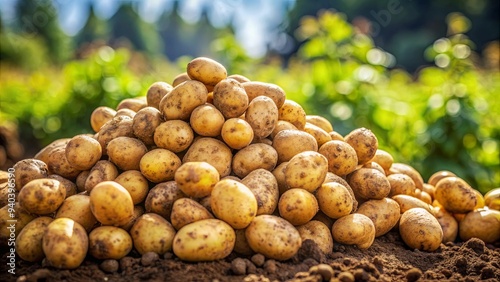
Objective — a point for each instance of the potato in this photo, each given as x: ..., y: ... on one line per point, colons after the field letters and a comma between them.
x: 342, y: 158
x: 145, y: 123
x: 238, y: 77
x: 161, y: 198
x: 204, y: 240
x: 253, y: 157
x: 318, y: 133
x: 331, y: 177
x: 429, y: 189
x: 306, y: 170
x: 320, y: 122
x: 45, y: 152
x: 273, y: 236
x: 111, y: 204
x: 234, y: 203
x: 492, y: 199
x: 159, y: 165
x: 182, y: 100
x: 186, y: 211
x: 8, y: 230
x: 134, y: 104
x: 256, y: 88
x: 373, y: 165
x: 206, y: 70
x: 58, y: 164
x: 66, y: 184
x: 29, y: 240
x: 42, y: 196
x: 289, y: 143
x: 319, y: 233
x: 282, y: 125
x: 109, y: 242
x: 80, y: 180
x: 422, y: 195
x: 237, y: 133
x: 410, y: 171
x: 279, y: 174
x: 264, y: 186
x: 241, y: 245
x: 262, y: 115
x: 77, y: 208
x: 136, y: 184
x: 334, y: 200
x: 297, y: 206
x: 116, y: 127
x: 196, y: 179
x: 364, y: 142
x: 174, y: 135
x: 27, y: 170
x: 407, y: 202
x: 368, y: 183
x: 152, y: 233
x: 354, y: 229
x: 212, y: 151
x: 336, y: 136
x: 65, y: 243
x: 126, y: 152
x: 156, y: 92
x: 180, y: 78
x: 480, y: 203
x: 384, y: 159
x: 100, y: 116
x: 125, y: 113
x: 438, y: 175
x: 401, y: 184
x: 207, y: 120
x: 455, y: 195
x: 420, y: 230
x: 483, y: 224
x: 448, y: 223
x: 384, y: 213
x: 230, y: 98
x: 138, y: 212
x: 102, y: 171
x: 292, y: 112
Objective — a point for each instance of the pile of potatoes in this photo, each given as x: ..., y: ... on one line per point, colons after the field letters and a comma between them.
x: 212, y: 164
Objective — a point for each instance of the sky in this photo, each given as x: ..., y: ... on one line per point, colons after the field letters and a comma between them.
x: 255, y: 21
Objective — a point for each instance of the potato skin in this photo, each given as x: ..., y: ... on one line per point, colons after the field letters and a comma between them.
x: 237, y: 133
x: 182, y: 100
x: 65, y: 243
x: 318, y: 133
x: 156, y: 92
x: 492, y: 199
x: 152, y: 233
x: 83, y: 151
x: 109, y: 242
x: 42, y: 196
x: 401, y: 184
x: 364, y: 142
x: 77, y: 207
x: 354, y: 229
x: 58, y: 164
x: 212, y: 151
x: 29, y: 241
x: 117, y: 126
x: 384, y: 213
x: 369, y: 183
x: 420, y: 230
x: 273, y: 236
x: 448, y: 223
x: 318, y: 232
x: 253, y: 157
x: 204, y: 240
x: 174, y: 135
x: 262, y: 115
x: 230, y: 98
x: 100, y: 116
x: 102, y: 171
x: 334, y: 200
x: 342, y: 158
x: 206, y: 70
x: 161, y: 198
x: 136, y: 184
x: 407, y: 202
x: 159, y: 165
x: 455, y: 195
x: 482, y: 223
x: 111, y: 204
x: 207, y: 120
x: 289, y: 143
x: 21, y: 216
x: 186, y: 211
x: 297, y: 206
x: 145, y: 123
x: 270, y: 90
x: 27, y: 170
x: 410, y: 171
x: 126, y: 152
x: 384, y: 159
x: 264, y: 186
x: 306, y: 170
x: 196, y: 179
x: 234, y: 203
x: 292, y: 112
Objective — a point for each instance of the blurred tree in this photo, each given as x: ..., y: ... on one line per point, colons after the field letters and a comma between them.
x: 95, y: 29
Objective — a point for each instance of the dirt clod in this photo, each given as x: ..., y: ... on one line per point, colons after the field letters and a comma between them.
x: 109, y: 265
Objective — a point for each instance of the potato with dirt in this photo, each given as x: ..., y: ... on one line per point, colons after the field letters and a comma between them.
x: 492, y: 199
x: 401, y: 184
x: 103, y: 170
x: 256, y: 88
x: 364, y: 142
x: 126, y: 152
x: 212, y: 151
x: 186, y: 211
x: 182, y: 100
x: 161, y: 198
x: 237, y: 133
x: 100, y: 116
x: 481, y: 223
x: 320, y: 122
x: 264, y: 186
x: 206, y: 70
x: 21, y: 216
x: 109, y: 242
x: 410, y: 171
x: 420, y: 230
x: 354, y: 229
x: 144, y: 124
x: 135, y: 104
x: 204, y: 240
x: 116, y: 127
x: 159, y: 165
x: 136, y: 184
x: 407, y: 202
x: 455, y: 195
x: 318, y: 133
x: 27, y: 170
x: 207, y: 120
x: 369, y: 183
x: 252, y: 157
x: 111, y: 204
x: 196, y: 179
x: 448, y: 223
x: 384, y: 159
x: 77, y: 207
x: 273, y: 236
x: 334, y: 200
x: 342, y: 158
x: 289, y: 143
x: 174, y: 135
x: 318, y: 232
x: 152, y: 233
x: 438, y: 175
x: 293, y: 112
x: 262, y: 115
x: 384, y: 213
x: 42, y: 196
x: 306, y: 170
x: 65, y: 244
x: 230, y: 98
x: 58, y: 164
x: 156, y: 92
x: 29, y: 241
x: 297, y: 206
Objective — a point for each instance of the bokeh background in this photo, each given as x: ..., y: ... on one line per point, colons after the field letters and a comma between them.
x: 422, y: 75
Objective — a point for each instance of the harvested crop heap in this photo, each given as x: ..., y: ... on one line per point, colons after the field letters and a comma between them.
x: 215, y: 165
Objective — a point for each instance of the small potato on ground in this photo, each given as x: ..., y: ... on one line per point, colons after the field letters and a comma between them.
x: 420, y: 230
x: 42, y: 196
x: 297, y: 206
x: 196, y: 179
x: 29, y: 241
x: 152, y: 233
x: 482, y: 223
x: 319, y: 233
x: 109, y: 242
x: 111, y: 204
x: 354, y: 229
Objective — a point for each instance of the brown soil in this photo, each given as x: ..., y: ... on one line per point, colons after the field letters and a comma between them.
x: 388, y: 259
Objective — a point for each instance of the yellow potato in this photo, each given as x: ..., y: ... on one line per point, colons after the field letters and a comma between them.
x: 289, y: 142
x: 455, y: 195
x: 136, y: 184
x: 354, y: 229
x: 116, y: 127
x: 292, y: 112
x: 384, y: 213
x: 429, y: 189
x: 480, y: 203
x: 273, y: 91
x: 126, y: 152
x: 241, y: 245
x: 9, y: 230
x: 408, y: 170
x: 77, y: 207
x: 448, y: 223
x: 42, y: 196
x: 109, y: 242
x: 174, y: 135
x: 297, y: 206
x: 279, y: 174
x: 384, y: 159
x: 492, y: 199
x: 438, y: 175
x: 196, y: 179
x: 65, y: 243
x: 407, y: 202
x: 134, y: 104
x: 100, y: 116
x: 364, y: 142
x: 369, y: 183
x: 126, y: 113
x: 204, y: 240
x: 183, y: 99
x: 306, y: 170
x: 342, y: 158
x: 264, y: 186
x: 66, y: 184
x: 102, y: 171
x: 420, y: 230
x: 282, y: 125
x: 318, y: 232
x: 253, y: 157
x: 230, y: 98
x: 145, y: 123
x: 273, y: 236
x: 331, y: 177
x: 238, y: 77
x: 180, y: 78
x: 58, y: 164
x: 45, y: 152
x: 318, y: 133
x: 336, y: 136
x: 161, y: 198
x: 483, y: 224
x: 234, y: 203
x: 29, y: 240
x: 401, y: 184
x: 206, y: 70
x: 207, y: 120
x: 159, y: 165
x: 186, y: 211
x: 212, y: 151
x: 27, y: 170
x: 262, y: 115
x: 138, y: 211
x: 320, y: 122
x: 237, y: 133
x: 152, y: 233
x: 334, y: 200
x: 156, y: 92
x: 111, y: 204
